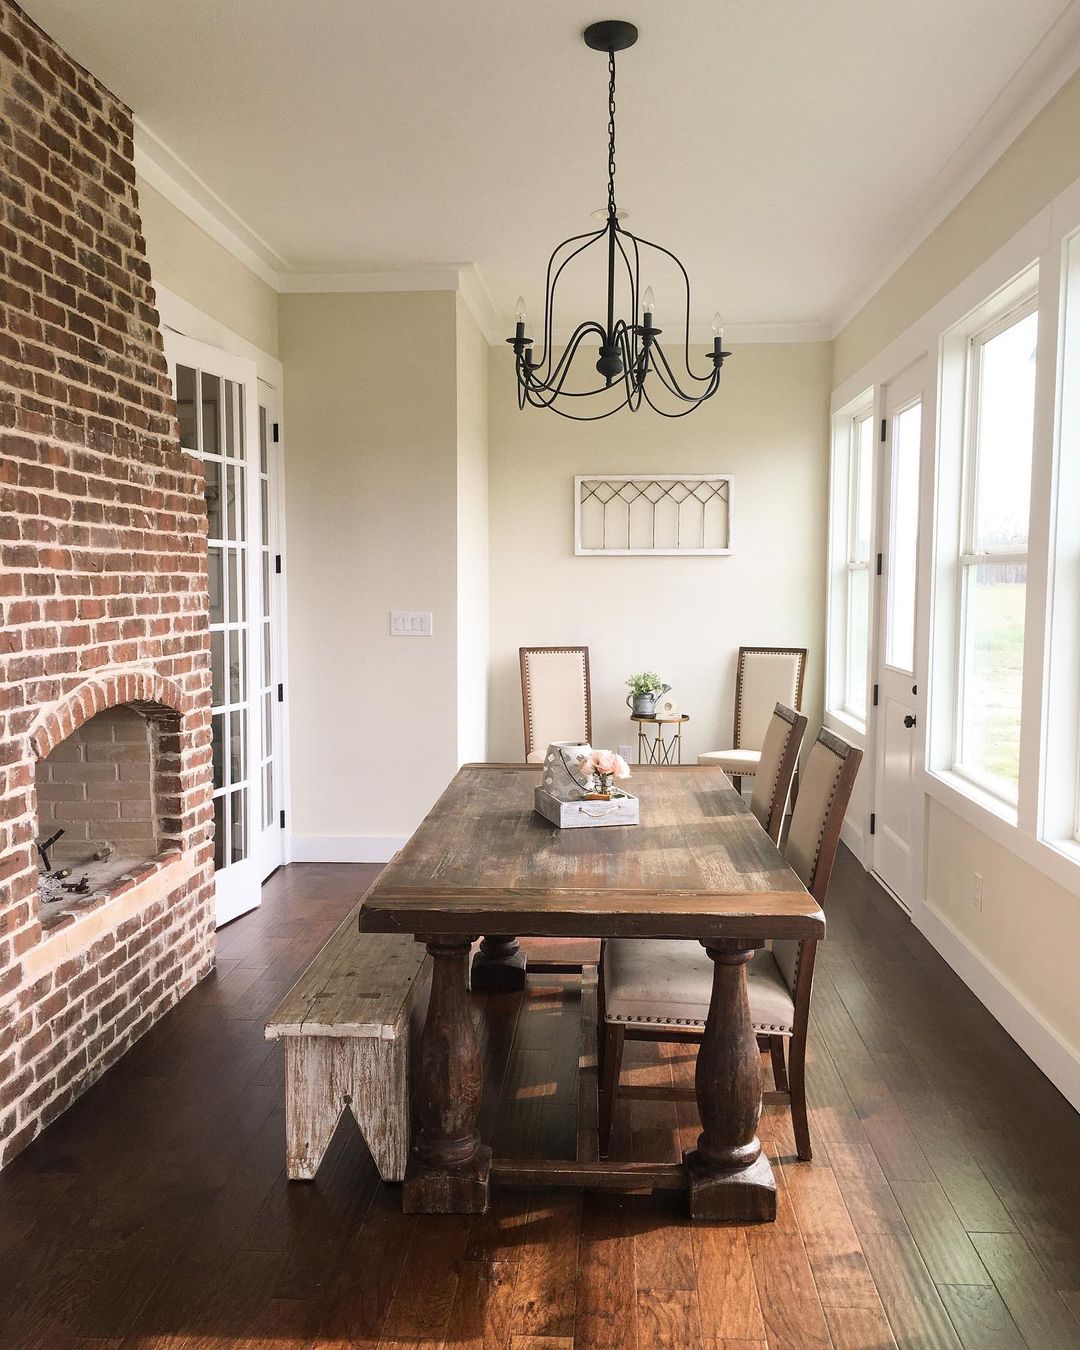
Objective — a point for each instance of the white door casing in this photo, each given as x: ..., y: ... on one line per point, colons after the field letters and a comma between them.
x: 896, y: 655
x: 218, y: 401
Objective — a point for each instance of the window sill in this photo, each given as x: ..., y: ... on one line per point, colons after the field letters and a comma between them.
x: 847, y: 722
x: 1059, y: 861
x: 956, y: 785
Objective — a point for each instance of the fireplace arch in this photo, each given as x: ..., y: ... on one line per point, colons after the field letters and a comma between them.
x: 107, y: 791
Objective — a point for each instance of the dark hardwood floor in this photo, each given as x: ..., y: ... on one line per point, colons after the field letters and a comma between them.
x: 942, y: 1208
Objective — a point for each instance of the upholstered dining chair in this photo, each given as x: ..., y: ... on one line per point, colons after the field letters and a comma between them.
x: 556, y: 698
x: 764, y: 676
x: 779, y: 756
x: 657, y: 990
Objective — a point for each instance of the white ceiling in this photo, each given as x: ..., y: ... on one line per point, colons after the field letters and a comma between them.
x: 786, y: 150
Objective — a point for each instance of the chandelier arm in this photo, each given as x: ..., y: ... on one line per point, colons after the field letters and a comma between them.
x: 553, y: 387
x: 594, y: 417
x: 667, y: 377
x: 671, y: 382
x: 702, y: 379
x: 664, y: 413
x: 591, y: 237
x: 535, y: 399
x: 555, y: 379
x: 633, y: 377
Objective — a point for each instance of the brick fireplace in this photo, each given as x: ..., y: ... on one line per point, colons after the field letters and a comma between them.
x: 104, y: 649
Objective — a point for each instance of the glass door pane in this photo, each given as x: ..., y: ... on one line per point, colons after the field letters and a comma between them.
x: 904, y: 538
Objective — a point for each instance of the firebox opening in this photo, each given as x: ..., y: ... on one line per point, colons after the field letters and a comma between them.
x: 97, y: 809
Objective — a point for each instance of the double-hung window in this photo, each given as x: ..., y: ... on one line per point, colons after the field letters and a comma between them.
x: 992, y: 571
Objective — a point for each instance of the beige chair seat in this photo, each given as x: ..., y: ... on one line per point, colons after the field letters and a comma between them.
x: 654, y: 982
x: 736, y: 762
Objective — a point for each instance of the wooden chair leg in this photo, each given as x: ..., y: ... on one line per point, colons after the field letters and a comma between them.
x: 736, y: 783
x: 797, y: 1077
x: 779, y: 1068
x: 611, y: 1039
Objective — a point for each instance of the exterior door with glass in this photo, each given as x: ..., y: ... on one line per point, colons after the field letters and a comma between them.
x: 217, y: 400
x: 895, y: 690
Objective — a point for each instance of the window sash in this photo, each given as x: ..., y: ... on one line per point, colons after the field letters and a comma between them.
x: 976, y: 343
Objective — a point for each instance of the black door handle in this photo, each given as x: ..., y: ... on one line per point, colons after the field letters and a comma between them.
x: 909, y: 720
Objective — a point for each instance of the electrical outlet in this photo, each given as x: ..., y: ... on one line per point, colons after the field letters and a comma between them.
x: 976, y: 891
x: 626, y: 752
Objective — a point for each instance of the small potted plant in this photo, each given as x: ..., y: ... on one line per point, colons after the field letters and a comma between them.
x: 646, y: 689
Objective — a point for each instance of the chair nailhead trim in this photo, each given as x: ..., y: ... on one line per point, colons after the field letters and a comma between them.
x: 689, y: 1022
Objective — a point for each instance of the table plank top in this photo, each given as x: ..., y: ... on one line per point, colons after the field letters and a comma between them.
x: 698, y: 866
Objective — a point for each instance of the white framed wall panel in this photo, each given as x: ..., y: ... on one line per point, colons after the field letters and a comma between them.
x: 664, y: 515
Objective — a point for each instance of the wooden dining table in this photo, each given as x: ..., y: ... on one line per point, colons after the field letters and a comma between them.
x: 698, y: 866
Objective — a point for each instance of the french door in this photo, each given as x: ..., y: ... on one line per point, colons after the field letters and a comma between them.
x: 895, y: 695
x: 223, y: 410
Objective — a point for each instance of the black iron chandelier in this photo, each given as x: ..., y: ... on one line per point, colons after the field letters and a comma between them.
x: 629, y: 351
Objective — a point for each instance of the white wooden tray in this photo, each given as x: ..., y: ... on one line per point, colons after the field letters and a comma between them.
x: 581, y: 815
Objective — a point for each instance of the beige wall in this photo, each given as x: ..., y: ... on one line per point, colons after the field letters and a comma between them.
x: 684, y: 617
x: 1020, y: 907
x: 370, y: 496
x: 186, y: 260
x: 1041, y: 162
x: 472, y: 536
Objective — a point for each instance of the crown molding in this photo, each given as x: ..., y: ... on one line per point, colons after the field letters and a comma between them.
x: 180, y: 185
x: 1053, y: 60
x: 439, y: 278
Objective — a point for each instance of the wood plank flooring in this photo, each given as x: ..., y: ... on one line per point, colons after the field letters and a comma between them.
x: 942, y: 1208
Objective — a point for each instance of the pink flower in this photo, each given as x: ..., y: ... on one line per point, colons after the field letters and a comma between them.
x: 622, y: 769
x: 606, y: 761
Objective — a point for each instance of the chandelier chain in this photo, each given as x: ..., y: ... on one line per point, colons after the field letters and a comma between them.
x: 611, y: 134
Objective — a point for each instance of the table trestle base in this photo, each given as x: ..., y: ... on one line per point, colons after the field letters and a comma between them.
x: 744, y: 1196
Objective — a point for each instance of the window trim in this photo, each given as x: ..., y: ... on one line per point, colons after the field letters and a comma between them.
x: 1057, y: 824
x: 955, y: 546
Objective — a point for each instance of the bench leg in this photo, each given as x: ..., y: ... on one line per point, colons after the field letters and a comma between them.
x: 380, y: 1101
x: 312, y: 1106
x: 323, y: 1077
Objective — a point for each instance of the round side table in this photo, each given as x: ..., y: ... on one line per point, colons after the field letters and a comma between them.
x: 658, y: 748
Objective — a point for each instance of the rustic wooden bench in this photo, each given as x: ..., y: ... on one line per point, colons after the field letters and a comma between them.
x: 347, y: 1024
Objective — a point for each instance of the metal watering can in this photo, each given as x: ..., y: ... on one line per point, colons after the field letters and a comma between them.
x: 644, y: 705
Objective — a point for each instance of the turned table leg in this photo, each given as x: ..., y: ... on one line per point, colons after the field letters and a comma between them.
x: 498, y: 966
x: 730, y: 1178
x: 448, y: 1166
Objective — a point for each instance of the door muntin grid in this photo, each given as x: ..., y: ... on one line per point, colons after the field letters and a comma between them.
x: 211, y: 412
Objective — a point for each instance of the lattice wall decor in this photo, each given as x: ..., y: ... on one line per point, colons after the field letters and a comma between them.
x: 670, y: 514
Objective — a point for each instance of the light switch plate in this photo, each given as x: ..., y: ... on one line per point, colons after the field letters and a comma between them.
x: 410, y: 623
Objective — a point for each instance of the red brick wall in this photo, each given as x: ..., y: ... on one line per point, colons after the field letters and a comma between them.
x: 103, y: 583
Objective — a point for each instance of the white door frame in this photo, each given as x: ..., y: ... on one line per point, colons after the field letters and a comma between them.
x: 237, y: 885
x: 180, y: 316
x: 921, y: 373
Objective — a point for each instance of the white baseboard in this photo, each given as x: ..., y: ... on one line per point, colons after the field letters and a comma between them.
x: 854, y: 838
x: 1059, y: 1061
x: 345, y: 848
